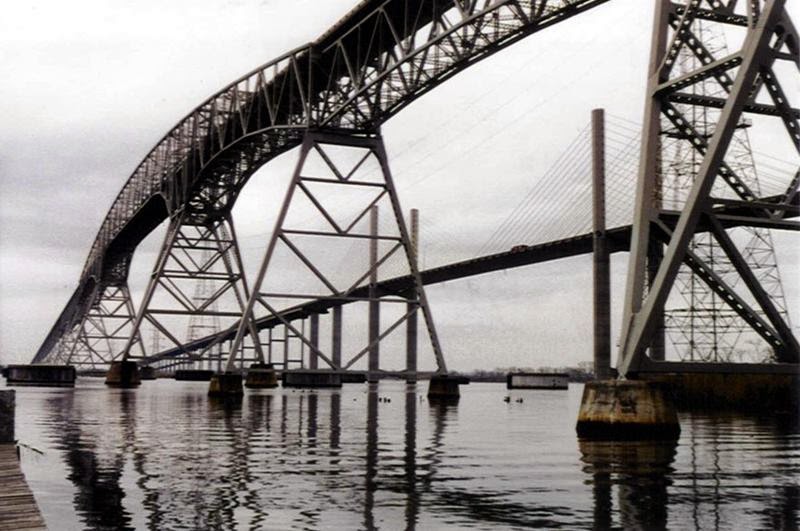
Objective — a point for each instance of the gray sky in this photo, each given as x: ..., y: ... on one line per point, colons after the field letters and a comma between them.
x: 90, y: 86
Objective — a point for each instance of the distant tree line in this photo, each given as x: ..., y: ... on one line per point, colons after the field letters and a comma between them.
x: 583, y: 372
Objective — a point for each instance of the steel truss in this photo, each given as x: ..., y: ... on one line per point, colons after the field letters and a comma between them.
x: 743, y: 75
x: 104, y: 332
x: 346, y: 160
x: 198, y: 278
x: 701, y: 326
x: 367, y: 68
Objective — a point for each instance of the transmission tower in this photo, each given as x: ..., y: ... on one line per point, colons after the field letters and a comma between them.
x: 700, y: 325
x: 207, y: 323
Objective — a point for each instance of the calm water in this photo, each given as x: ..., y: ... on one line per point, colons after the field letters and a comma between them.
x: 166, y: 457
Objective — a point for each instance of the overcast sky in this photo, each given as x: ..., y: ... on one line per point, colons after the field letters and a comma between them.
x: 89, y: 87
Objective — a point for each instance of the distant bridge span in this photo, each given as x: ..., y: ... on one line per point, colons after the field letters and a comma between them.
x: 618, y: 238
x: 379, y: 58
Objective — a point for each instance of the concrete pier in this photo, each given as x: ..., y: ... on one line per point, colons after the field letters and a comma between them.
x: 312, y: 379
x: 601, y: 265
x: 123, y: 374
x: 40, y: 375
x: 226, y: 384
x: 626, y: 410
x: 444, y: 388
x: 374, y: 324
x: 147, y: 373
x: 7, y: 416
x: 261, y: 376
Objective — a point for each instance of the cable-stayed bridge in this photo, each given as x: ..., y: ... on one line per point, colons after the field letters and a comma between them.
x: 341, y: 236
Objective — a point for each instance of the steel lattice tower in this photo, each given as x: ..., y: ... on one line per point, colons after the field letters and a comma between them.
x: 202, y: 324
x: 700, y: 325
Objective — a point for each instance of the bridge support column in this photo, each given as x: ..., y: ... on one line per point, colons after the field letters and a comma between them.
x: 124, y: 374
x: 714, y: 176
x: 261, y: 376
x: 626, y: 410
x: 444, y: 388
x: 197, y: 287
x: 105, y: 328
x: 336, y: 337
x: 346, y: 163
x: 313, y: 325
x: 602, y: 280
x: 226, y: 384
x: 374, y: 304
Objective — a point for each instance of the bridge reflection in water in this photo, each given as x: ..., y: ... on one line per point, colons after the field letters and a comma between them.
x: 166, y: 457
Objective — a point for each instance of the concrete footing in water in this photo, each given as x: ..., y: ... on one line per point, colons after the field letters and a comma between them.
x: 123, y: 374
x: 147, y: 373
x: 312, y: 379
x: 226, y: 384
x: 261, y: 376
x: 7, y: 416
x: 40, y: 375
x: 627, y: 410
x: 753, y: 392
x: 443, y: 387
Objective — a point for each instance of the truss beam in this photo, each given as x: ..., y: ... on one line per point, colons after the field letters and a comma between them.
x: 644, y: 305
x: 330, y: 151
x: 197, y: 281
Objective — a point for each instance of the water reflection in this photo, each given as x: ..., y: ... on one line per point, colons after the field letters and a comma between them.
x: 640, y: 471
x: 410, y: 457
x: 98, y: 495
x: 371, y: 455
x: 382, y: 457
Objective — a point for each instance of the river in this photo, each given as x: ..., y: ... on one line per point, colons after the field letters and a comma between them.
x: 165, y: 456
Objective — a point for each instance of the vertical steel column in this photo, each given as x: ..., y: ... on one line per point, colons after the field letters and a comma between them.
x: 285, y: 348
x: 411, y: 307
x: 655, y: 253
x: 313, y: 323
x: 374, y: 304
x: 644, y: 209
x: 642, y: 314
x: 602, y: 283
x: 269, y: 345
x: 336, y: 336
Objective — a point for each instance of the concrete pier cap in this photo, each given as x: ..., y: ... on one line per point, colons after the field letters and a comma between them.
x: 226, y: 384
x: 627, y: 410
x: 123, y: 374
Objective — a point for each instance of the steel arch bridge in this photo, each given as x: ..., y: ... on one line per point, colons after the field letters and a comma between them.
x: 379, y: 58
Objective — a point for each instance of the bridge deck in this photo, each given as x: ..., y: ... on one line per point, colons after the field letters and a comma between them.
x: 18, y: 509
